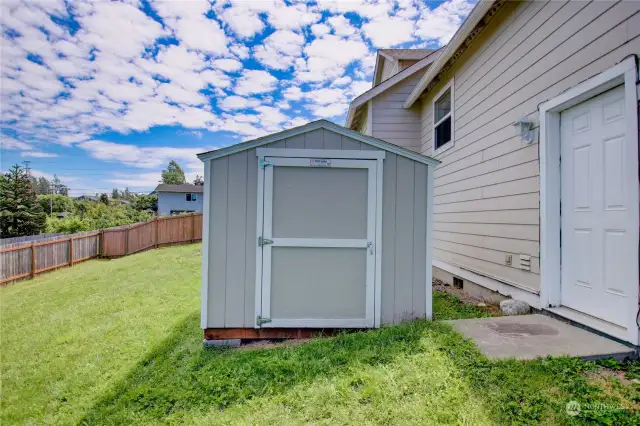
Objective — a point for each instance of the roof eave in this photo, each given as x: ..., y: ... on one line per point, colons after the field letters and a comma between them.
x: 478, y: 12
x: 370, y: 140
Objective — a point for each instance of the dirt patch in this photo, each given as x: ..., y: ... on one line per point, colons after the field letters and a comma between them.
x: 492, y: 307
x: 614, y: 384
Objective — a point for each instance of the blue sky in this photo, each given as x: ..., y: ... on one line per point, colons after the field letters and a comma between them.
x: 106, y: 93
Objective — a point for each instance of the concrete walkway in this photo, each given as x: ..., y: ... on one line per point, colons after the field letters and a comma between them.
x: 532, y: 336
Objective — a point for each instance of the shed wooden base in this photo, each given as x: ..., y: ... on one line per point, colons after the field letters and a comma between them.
x: 268, y: 333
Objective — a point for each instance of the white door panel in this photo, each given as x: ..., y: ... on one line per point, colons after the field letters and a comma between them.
x: 597, y: 226
x: 318, y: 268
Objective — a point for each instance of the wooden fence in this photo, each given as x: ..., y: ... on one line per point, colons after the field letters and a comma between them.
x: 20, y: 260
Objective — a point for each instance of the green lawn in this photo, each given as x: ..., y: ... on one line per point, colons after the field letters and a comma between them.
x: 119, y: 342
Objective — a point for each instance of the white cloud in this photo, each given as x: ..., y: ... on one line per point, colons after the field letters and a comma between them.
x: 280, y: 49
x: 319, y: 30
x: 146, y: 157
x: 331, y: 110
x: 341, y: 25
x: 285, y: 17
x: 255, y: 81
x: 327, y: 57
x: 242, y: 20
x: 441, y: 23
x: 342, y: 81
x: 228, y: 64
x: 118, y: 29
x: 326, y: 96
x: 237, y: 102
x: 389, y: 31
x: 293, y: 93
x: 38, y: 154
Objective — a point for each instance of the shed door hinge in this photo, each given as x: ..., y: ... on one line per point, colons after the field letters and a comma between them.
x: 264, y: 241
x: 264, y: 163
x: 260, y: 320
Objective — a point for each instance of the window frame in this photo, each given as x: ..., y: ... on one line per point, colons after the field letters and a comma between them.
x: 190, y: 197
x: 448, y: 87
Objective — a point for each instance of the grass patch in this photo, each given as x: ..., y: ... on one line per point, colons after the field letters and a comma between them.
x: 448, y: 306
x: 70, y: 335
x: 119, y: 342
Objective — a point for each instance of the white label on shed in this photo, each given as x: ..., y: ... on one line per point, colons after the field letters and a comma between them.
x: 319, y: 162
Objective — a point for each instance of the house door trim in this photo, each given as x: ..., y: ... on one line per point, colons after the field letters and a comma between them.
x: 291, y: 156
x: 625, y: 73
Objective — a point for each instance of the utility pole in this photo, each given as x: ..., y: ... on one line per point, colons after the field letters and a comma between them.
x: 26, y: 167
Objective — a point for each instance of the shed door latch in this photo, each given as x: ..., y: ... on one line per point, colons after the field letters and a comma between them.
x: 264, y: 241
x: 260, y: 320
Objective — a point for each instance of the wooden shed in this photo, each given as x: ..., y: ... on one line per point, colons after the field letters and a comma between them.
x: 314, y: 228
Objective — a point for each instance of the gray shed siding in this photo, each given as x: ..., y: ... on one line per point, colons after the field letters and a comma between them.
x: 168, y: 201
x: 486, y: 192
x: 232, y: 232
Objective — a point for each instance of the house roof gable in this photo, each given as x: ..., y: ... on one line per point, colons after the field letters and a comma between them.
x: 319, y: 124
x: 388, y: 83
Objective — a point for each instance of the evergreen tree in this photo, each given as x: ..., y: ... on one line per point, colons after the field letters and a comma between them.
x: 104, y: 199
x: 198, y: 180
x: 173, y: 174
x: 20, y: 213
x: 115, y: 194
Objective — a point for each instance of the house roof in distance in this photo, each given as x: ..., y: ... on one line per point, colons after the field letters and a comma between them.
x: 185, y: 187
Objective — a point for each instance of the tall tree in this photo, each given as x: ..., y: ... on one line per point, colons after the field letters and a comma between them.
x: 198, y: 180
x: 104, y: 199
x: 44, y: 187
x: 115, y: 194
x: 173, y: 174
x: 20, y: 213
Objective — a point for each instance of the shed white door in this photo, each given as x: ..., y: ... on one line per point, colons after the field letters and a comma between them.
x: 598, y: 263
x: 318, y: 252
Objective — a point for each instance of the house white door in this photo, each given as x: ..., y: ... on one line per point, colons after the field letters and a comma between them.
x: 318, y: 243
x: 598, y: 180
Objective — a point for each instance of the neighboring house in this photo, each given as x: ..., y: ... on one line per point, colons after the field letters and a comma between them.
x: 176, y: 199
x: 87, y: 198
x: 566, y: 74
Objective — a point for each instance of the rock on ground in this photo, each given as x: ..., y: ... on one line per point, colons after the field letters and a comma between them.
x: 514, y: 307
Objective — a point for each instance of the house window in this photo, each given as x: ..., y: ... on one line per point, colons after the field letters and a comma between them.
x: 192, y: 197
x: 443, y: 119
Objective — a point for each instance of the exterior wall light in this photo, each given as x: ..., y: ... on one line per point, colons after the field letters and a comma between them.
x: 524, y: 127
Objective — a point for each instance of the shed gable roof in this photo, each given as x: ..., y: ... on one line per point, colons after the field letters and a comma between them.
x: 319, y: 124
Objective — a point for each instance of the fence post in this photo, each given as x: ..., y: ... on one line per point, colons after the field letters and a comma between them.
x: 126, y: 240
x: 70, y: 251
x: 155, y: 220
x: 101, y: 243
x: 193, y: 226
x: 33, y: 260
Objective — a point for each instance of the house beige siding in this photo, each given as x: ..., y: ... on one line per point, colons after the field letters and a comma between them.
x: 391, y: 122
x: 405, y: 63
x: 389, y: 68
x: 487, y: 187
x: 232, y: 231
